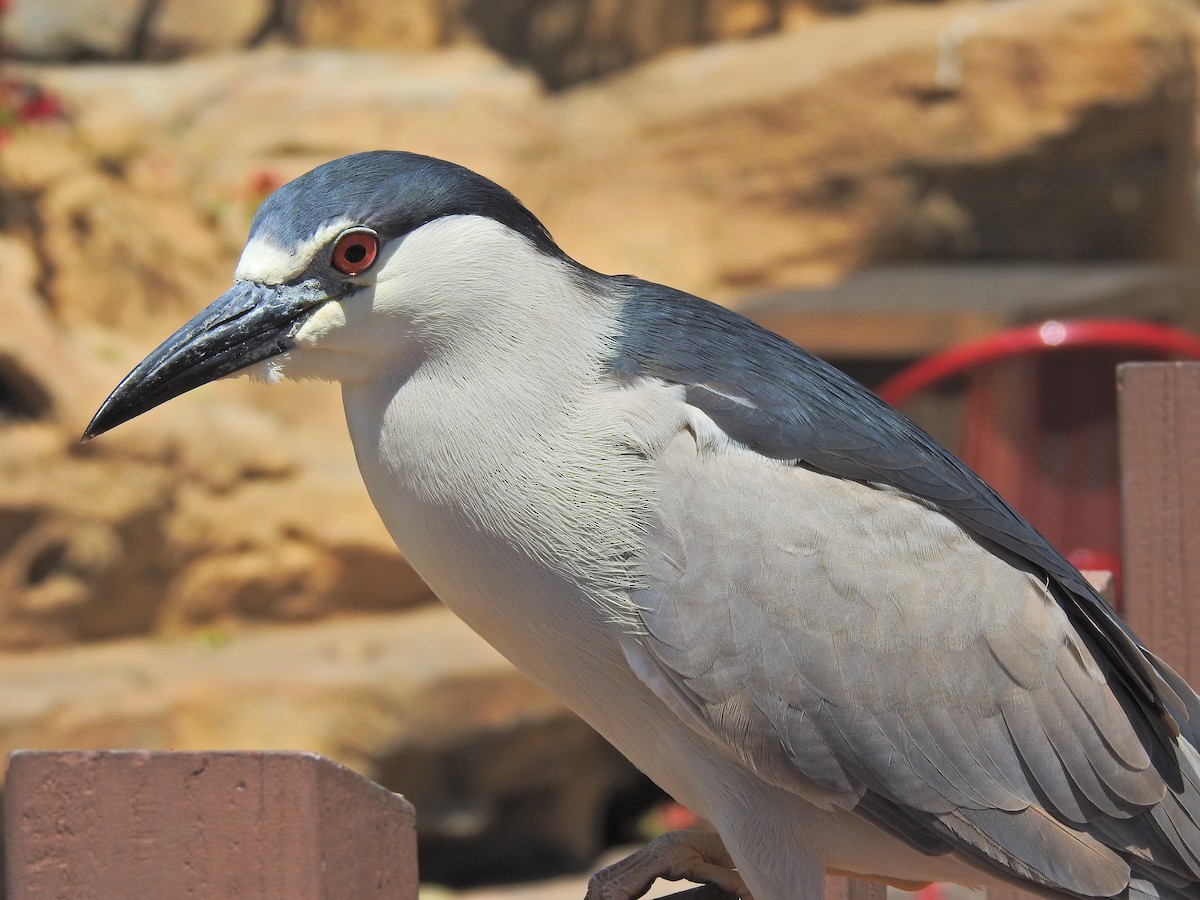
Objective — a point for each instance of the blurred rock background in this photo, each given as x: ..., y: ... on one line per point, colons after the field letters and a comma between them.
x: 170, y: 586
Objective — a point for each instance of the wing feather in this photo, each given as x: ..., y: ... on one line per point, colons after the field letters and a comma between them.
x: 838, y: 678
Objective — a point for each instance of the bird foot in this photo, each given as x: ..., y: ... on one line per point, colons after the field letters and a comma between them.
x: 678, y: 855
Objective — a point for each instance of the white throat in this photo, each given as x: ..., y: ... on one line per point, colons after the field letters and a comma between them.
x: 494, y: 439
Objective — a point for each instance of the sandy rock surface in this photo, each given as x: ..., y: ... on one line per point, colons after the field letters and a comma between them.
x: 198, y: 516
x: 564, y: 41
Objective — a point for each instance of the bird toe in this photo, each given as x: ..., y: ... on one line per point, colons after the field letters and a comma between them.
x: 676, y: 856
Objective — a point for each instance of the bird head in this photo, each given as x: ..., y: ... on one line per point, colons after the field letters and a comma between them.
x: 363, y: 263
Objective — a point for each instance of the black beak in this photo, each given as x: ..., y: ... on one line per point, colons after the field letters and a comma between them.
x: 247, y: 324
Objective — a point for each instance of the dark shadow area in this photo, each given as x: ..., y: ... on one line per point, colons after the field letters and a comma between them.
x: 569, y: 42
x: 21, y: 397
x: 534, y: 801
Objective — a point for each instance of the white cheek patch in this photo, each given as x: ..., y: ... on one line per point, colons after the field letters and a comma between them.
x: 265, y: 262
x: 328, y: 318
x: 269, y: 371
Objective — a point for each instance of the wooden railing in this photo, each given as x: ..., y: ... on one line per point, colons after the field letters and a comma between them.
x: 112, y: 825
x: 118, y: 825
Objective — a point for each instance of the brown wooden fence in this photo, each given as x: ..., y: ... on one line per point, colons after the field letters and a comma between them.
x: 114, y: 825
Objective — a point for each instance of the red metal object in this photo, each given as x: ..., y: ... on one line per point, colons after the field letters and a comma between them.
x: 1165, y: 342
x: 1038, y: 420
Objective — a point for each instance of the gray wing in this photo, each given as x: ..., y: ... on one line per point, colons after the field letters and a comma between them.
x: 786, y: 404
x: 922, y: 654
x: 856, y: 644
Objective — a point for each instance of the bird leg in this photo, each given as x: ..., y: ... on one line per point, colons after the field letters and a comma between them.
x: 677, y: 855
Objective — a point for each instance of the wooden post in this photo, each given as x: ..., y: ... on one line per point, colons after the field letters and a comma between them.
x: 1159, y: 433
x: 111, y: 825
x: 1159, y: 407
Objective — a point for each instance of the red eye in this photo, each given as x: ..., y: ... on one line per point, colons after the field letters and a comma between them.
x: 355, y: 251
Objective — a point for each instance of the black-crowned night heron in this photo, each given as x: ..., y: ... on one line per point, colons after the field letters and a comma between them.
x: 779, y: 598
